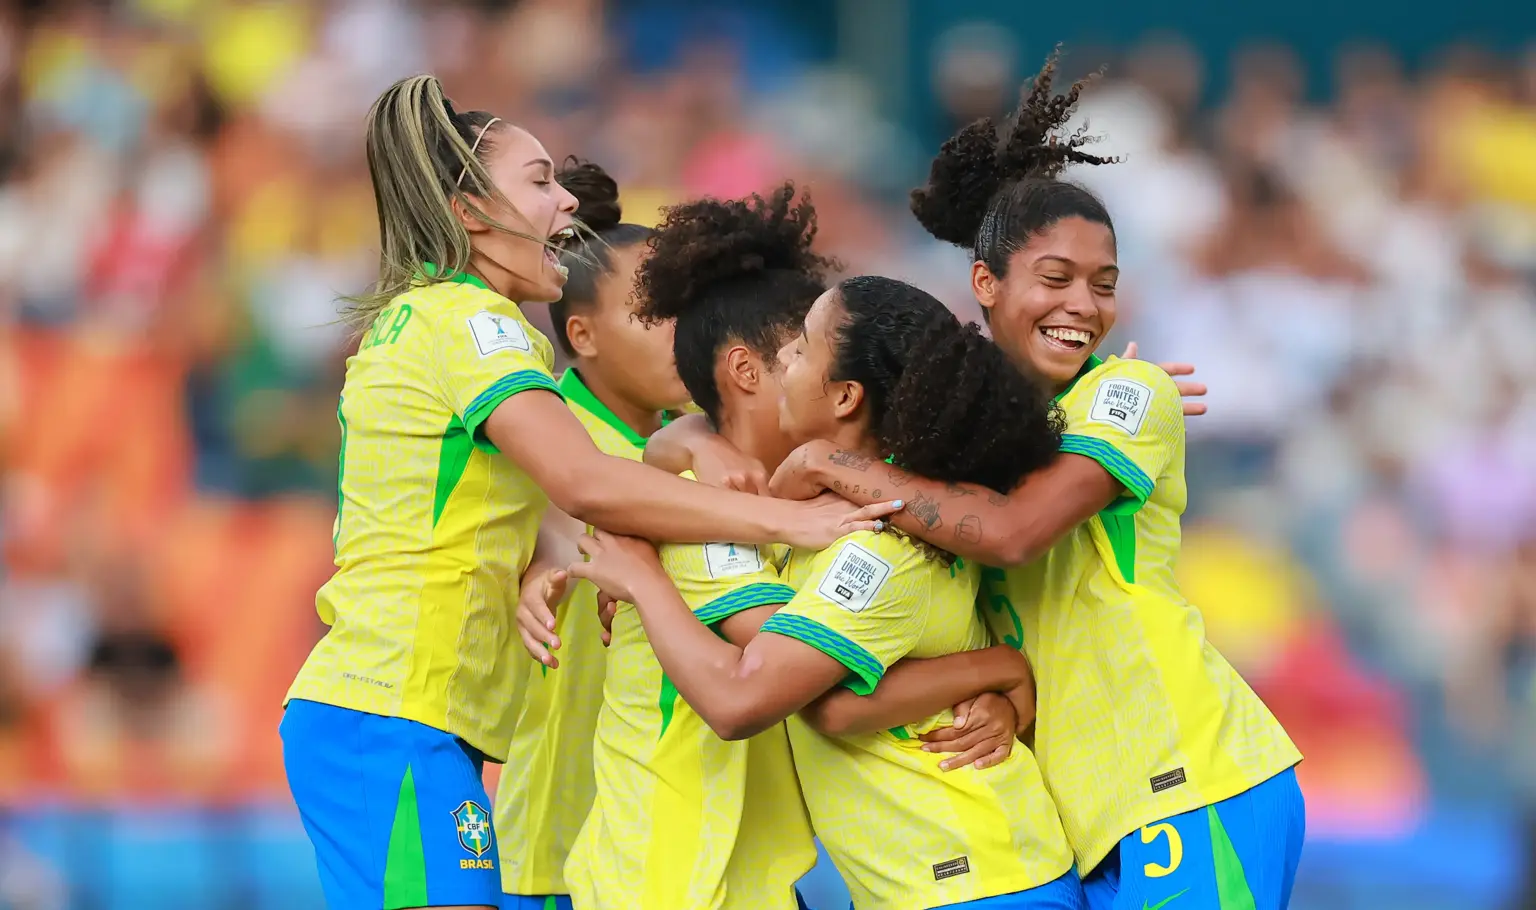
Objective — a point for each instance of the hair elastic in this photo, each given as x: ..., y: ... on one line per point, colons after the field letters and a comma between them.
x: 474, y: 148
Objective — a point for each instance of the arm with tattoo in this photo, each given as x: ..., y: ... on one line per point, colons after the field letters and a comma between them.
x: 980, y: 524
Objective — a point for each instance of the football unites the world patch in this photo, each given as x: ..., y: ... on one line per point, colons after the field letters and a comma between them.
x: 496, y: 332
x: 854, y: 578
x: 1122, y: 403
x: 474, y: 825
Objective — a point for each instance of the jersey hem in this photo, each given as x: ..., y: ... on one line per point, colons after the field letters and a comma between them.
x: 866, y: 669
x: 1112, y: 460
x: 921, y: 897
x: 758, y: 594
x: 1200, y: 800
x: 501, y: 390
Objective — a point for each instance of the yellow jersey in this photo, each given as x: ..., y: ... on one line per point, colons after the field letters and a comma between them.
x: 1139, y: 718
x: 904, y: 834
x: 683, y: 818
x: 433, y: 526
x: 541, y: 804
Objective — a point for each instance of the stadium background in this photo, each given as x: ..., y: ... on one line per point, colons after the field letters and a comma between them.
x: 1330, y: 208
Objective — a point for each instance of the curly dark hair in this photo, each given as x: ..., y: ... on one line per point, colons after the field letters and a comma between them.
x: 732, y: 270
x: 589, y: 255
x: 989, y: 193
x: 944, y: 400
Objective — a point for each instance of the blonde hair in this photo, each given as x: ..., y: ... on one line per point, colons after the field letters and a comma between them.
x: 422, y: 156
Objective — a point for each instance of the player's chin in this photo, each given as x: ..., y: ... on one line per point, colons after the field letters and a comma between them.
x: 1056, y: 365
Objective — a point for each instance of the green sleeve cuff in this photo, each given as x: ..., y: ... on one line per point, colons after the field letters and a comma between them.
x: 864, y: 666
x: 759, y: 594
x: 1137, y: 484
x: 501, y: 390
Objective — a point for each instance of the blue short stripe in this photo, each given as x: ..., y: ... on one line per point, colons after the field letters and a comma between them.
x: 1114, y: 461
x: 758, y: 594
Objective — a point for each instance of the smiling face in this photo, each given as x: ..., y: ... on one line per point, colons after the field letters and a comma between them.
x: 539, y: 206
x: 1058, y: 300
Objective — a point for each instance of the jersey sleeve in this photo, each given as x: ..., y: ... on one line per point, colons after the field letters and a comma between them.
x: 719, y: 580
x: 485, y: 357
x: 864, y: 603
x: 1130, y: 420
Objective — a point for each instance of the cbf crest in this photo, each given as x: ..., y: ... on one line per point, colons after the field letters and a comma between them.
x: 474, y: 827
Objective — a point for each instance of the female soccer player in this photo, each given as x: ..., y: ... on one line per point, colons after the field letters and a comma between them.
x: 882, y: 369
x: 1174, y: 781
x: 682, y: 818
x: 620, y: 385
x: 454, y: 439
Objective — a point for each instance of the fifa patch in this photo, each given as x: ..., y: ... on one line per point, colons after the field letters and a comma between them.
x: 1168, y: 780
x: 854, y: 579
x: 1122, y: 403
x: 494, y: 332
x: 727, y: 560
x: 950, y: 868
x: 474, y: 827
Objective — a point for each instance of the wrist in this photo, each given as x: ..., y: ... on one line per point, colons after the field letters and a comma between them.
x: 650, y: 589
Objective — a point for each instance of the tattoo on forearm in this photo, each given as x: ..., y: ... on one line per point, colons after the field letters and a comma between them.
x: 926, y: 511
x: 856, y: 489
x: 898, y: 477
x: 997, y: 499
x: 956, y: 489
x: 969, y: 529
x: 854, y: 460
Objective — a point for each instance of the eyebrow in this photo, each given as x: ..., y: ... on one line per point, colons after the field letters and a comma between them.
x: 1113, y: 268
x: 543, y: 161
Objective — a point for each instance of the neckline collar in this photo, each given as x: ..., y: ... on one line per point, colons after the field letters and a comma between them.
x: 1093, y: 363
x: 430, y: 270
x: 575, y: 390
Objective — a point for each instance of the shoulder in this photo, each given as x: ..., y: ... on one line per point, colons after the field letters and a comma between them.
x: 1122, y: 393
x: 858, y: 569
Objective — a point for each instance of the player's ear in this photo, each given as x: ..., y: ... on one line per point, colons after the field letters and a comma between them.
x: 742, y: 369
x: 578, y: 330
x: 846, y: 397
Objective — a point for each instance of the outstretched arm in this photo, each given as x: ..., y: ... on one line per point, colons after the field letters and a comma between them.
x: 979, y: 524
x: 538, y: 432
x: 916, y: 689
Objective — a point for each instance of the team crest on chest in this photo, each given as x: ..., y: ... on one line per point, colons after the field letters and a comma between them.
x: 474, y: 827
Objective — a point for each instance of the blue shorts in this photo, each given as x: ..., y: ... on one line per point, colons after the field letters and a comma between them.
x: 535, y: 902
x: 1238, y: 854
x: 396, y: 810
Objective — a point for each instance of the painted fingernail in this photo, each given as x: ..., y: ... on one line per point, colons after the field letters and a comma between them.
x: 898, y: 504
x: 879, y: 525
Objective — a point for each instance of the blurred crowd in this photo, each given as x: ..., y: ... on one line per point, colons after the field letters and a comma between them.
x: 183, y: 195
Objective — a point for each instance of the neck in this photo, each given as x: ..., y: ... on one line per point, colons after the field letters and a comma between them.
x: 500, y: 280
x: 851, y: 435
x: 637, y: 417
x: 759, y: 438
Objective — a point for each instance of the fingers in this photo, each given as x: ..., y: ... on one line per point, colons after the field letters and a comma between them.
x: 871, y: 517
x: 1130, y: 352
x: 963, y: 713
x: 1177, y: 369
x: 1191, y: 389
x: 967, y: 749
x: 554, y: 589
x: 995, y: 757
x: 607, y: 606
x: 942, y: 735
x: 1194, y: 409
x: 754, y: 480
x: 537, y: 648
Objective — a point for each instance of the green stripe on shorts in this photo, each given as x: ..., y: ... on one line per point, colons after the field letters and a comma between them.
x: 405, y: 867
x: 1232, y: 891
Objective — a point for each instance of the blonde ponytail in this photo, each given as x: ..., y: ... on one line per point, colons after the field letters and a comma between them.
x: 421, y: 160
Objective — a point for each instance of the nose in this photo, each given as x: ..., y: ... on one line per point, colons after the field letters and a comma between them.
x: 566, y: 199
x: 1079, y: 300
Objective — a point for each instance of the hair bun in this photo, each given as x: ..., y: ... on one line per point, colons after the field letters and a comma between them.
x: 707, y: 242
x: 597, y: 194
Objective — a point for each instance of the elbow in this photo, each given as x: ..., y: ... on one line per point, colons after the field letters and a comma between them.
x: 1019, y: 545
x: 736, y: 725
x: 825, y: 718
x: 581, y: 494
